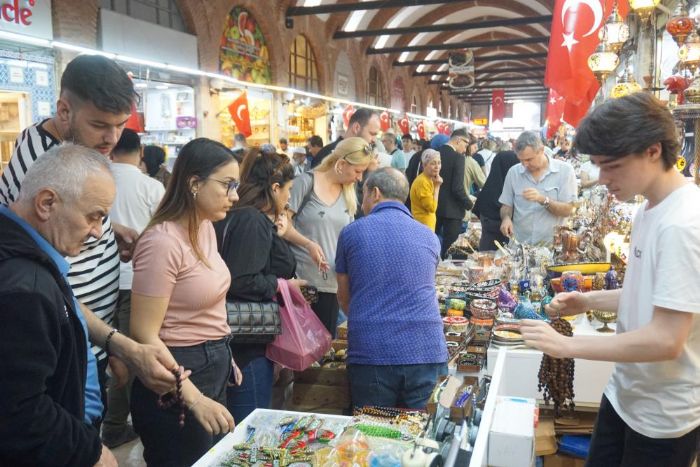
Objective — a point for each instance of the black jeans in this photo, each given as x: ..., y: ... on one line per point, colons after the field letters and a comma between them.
x: 448, y: 229
x: 490, y: 231
x: 164, y: 442
x: 614, y: 443
x: 326, y: 308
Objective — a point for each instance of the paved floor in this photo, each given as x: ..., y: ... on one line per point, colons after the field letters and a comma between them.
x: 130, y: 454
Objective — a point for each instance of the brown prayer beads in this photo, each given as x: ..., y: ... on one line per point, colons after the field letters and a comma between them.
x: 556, y: 376
x: 169, y: 400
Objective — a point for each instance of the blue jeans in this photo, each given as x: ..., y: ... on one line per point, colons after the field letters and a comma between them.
x: 406, y: 386
x: 164, y: 442
x: 254, y: 393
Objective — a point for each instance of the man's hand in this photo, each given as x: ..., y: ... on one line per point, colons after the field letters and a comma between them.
x: 567, y: 304
x: 119, y: 371
x: 126, y: 241
x: 507, y: 227
x: 107, y: 459
x: 531, y: 194
x: 541, y: 336
x: 154, y: 366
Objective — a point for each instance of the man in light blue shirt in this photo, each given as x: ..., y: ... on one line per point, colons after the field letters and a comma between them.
x: 398, y: 158
x: 538, y: 193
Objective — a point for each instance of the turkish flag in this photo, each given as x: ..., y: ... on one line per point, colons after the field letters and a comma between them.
x: 403, y: 125
x: 240, y: 114
x: 347, y: 115
x: 574, y: 37
x: 384, y: 121
x: 135, y: 121
x: 420, y: 129
x: 555, y: 110
x: 498, y: 105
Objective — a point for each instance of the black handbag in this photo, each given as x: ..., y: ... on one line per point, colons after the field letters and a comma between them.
x: 254, y: 322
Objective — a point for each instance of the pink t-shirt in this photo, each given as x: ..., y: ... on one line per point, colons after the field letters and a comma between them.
x: 165, y: 265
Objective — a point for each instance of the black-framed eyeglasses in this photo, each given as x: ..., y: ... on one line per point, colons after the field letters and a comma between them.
x: 231, y: 185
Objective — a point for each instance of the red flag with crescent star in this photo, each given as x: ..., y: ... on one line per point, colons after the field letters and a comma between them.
x: 384, y: 121
x: 574, y: 37
x: 347, y: 115
x: 555, y: 110
x: 498, y: 105
x: 420, y: 129
x: 240, y: 114
x: 404, y: 125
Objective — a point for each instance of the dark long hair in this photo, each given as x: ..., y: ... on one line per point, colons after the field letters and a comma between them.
x: 153, y: 157
x: 199, y: 158
x: 258, y: 173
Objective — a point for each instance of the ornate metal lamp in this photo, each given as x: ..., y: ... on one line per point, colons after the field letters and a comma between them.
x: 614, y: 31
x: 644, y: 8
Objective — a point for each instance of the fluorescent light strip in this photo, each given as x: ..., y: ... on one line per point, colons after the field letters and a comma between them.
x: 225, y: 78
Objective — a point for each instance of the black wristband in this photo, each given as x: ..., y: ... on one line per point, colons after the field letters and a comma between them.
x: 109, y: 338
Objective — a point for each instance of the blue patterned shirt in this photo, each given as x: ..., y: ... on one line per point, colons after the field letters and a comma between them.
x: 391, y: 260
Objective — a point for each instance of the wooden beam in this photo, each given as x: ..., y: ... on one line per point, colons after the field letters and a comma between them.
x: 357, y: 6
x: 509, y: 78
x: 460, y: 45
x: 465, y: 26
x: 481, y: 71
x: 477, y: 59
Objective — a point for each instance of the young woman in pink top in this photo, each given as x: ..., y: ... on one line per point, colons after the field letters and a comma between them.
x: 178, y: 301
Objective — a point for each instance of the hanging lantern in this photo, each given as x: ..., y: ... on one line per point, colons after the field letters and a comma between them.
x: 689, y: 53
x: 644, y: 8
x: 614, y: 31
x: 603, y: 62
x: 680, y: 24
x: 626, y: 85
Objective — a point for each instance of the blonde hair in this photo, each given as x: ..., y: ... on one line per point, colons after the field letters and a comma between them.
x: 354, y: 151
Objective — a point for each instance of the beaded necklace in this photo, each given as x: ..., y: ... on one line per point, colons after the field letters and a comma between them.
x: 171, y: 399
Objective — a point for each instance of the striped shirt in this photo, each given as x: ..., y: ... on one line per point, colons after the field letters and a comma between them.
x: 94, y: 273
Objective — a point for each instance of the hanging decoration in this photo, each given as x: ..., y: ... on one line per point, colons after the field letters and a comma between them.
x: 644, y: 8
x: 460, y: 69
x: 404, y: 125
x: 384, y: 121
x: 615, y: 32
x: 573, y: 40
x: 498, y: 107
x: 240, y: 114
x: 627, y: 85
x: 680, y: 24
x: 347, y: 114
x: 420, y: 129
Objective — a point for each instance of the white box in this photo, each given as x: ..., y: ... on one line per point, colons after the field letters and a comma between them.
x: 512, y: 434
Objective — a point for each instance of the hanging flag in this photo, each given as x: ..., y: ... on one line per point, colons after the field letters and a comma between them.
x: 404, y: 125
x: 420, y: 129
x: 384, y: 121
x: 135, y: 121
x: 240, y: 114
x: 347, y: 115
x: 574, y: 37
x: 498, y: 105
x: 555, y: 110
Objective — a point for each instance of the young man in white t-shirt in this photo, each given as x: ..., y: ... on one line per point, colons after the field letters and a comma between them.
x: 650, y: 411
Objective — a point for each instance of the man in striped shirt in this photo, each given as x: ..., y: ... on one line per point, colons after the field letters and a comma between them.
x: 95, y: 102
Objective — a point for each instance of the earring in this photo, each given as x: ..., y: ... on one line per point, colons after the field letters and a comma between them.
x: 194, y: 194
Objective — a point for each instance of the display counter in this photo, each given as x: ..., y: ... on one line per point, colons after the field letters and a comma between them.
x: 522, y: 365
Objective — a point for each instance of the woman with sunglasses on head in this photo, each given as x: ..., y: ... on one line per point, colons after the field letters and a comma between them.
x: 179, y: 301
x: 256, y: 257
x: 322, y: 203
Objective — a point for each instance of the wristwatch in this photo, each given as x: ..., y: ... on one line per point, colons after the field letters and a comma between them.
x: 546, y: 202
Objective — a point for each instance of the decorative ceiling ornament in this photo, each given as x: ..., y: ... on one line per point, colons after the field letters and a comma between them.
x: 460, y: 69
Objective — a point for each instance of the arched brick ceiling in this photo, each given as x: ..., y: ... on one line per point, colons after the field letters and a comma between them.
x: 454, y: 12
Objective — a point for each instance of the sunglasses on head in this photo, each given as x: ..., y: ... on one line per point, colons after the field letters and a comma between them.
x: 368, y: 149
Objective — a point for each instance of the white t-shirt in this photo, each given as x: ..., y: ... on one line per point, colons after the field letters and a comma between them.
x: 384, y: 159
x: 662, y: 399
x: 137, y: 198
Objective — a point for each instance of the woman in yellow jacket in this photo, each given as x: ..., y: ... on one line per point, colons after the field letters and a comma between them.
x: 425, y: 189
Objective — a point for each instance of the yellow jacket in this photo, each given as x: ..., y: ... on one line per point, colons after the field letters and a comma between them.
x: 423, y: 202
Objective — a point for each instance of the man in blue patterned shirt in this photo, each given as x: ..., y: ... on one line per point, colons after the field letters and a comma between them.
x: 386, y: 264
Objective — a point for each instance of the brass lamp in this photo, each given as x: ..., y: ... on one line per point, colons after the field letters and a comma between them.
x: 644, y: 8
x: 603, y: 61
x: 626, y: 85
x: 614, y: 31
x: 680, y: 24
x: 689, y: 53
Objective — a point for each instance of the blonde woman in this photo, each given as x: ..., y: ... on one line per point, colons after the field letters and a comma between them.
x: 426, y: 188
x: 322, y: 202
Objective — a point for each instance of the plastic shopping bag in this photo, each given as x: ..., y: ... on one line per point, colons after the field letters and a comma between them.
x: 304, y: 339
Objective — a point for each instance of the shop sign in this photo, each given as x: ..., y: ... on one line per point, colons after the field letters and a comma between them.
x: 461, y: 69
x: 243, y: 52
x: 481, y: 121
x: 28, y: 17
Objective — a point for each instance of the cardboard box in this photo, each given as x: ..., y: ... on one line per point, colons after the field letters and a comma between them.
x: 323, y: 376
x: 512, y: 435
x: 560, y: 460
